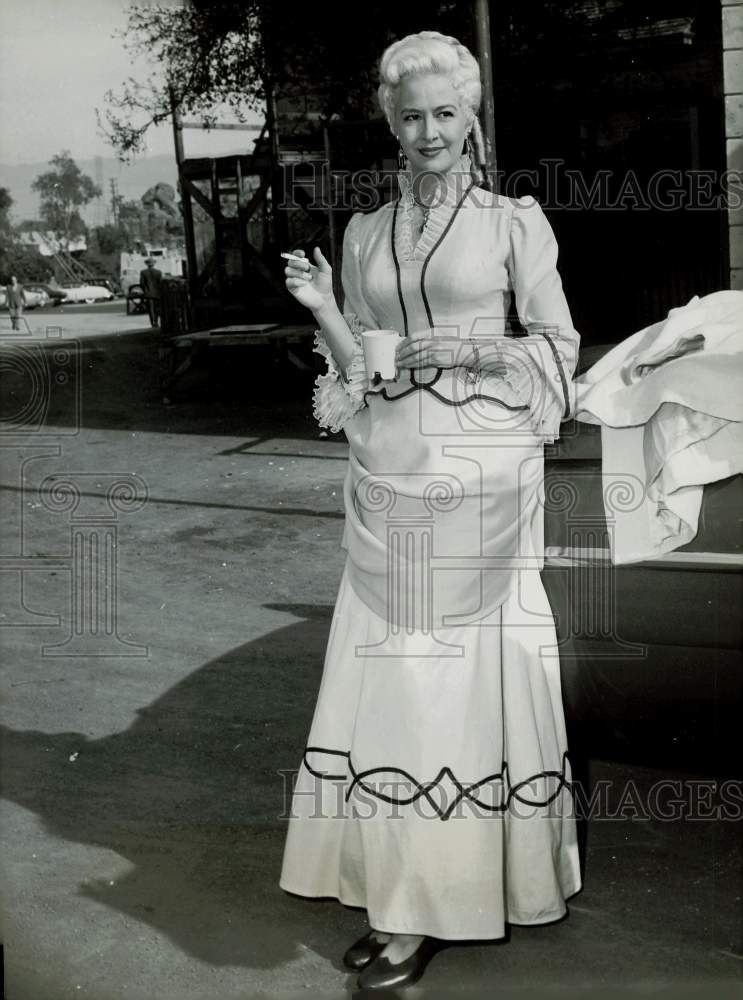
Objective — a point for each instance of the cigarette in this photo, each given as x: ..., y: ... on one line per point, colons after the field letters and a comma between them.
x: 291, y: 256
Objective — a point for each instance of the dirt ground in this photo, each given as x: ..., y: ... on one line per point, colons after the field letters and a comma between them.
x: 147, y: 765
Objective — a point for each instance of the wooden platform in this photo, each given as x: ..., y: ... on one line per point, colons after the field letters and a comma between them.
x: 179, y: 353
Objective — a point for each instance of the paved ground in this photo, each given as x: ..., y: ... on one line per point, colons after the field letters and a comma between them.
x: 143, y: 791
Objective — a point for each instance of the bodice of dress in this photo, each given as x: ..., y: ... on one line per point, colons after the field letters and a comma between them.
x: 454, y: 281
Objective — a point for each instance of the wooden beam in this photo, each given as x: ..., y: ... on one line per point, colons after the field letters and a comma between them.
x: 210, y: 266
x: 186, y: 206
x: 218, y: 241
x: 485, y: 58
x: 198, y: 195
x: 256, y: 147
x: 331, y: 216
x: 242, y: 222
x: 258, y: 196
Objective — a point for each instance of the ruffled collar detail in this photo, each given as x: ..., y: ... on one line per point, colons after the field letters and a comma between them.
x: 451, y: 187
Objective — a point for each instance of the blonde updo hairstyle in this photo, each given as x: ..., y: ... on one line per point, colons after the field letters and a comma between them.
x: 432, y: 52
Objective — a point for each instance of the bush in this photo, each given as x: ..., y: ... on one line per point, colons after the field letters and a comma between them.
x: 26, y: 263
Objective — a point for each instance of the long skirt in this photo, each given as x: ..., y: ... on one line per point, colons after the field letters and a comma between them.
x: 435, y: 786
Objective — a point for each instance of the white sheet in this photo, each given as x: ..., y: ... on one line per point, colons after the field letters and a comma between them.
x: 669, y: 400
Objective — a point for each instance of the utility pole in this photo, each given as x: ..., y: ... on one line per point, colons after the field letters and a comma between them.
x: 485, y: 56
x: 186, y: 206
x: 279, y: 226
x: 115, y: 200
x: 100, y: 207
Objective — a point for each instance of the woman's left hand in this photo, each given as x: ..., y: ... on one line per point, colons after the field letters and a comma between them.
x: 431, y: 352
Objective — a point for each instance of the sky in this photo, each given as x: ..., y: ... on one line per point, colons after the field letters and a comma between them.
x: 57, y: 60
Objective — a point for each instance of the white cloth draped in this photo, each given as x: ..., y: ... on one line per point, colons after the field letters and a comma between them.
x: 669, y: 400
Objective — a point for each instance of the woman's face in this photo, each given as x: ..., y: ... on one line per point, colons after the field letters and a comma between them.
x: 431, y: 123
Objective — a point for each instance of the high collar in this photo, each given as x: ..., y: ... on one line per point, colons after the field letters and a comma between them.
x: 451, y: 185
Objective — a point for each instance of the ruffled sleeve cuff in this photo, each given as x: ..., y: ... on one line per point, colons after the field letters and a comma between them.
x: 339, y: 393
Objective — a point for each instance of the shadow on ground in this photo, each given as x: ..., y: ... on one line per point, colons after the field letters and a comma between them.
x: 192, y: 796
x: 113, y: 382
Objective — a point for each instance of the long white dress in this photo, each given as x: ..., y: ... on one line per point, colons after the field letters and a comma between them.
x: 435, y: 785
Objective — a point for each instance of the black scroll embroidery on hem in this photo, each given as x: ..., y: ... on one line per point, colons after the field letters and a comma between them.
x: 468, y: 792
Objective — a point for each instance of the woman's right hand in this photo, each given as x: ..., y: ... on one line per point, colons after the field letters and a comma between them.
x: 309, y: 284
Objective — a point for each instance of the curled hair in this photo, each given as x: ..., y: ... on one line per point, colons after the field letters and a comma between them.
x: 429, y: 52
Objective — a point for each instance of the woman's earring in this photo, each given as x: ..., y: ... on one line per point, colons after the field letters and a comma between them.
x: 470, y: 149
x: 401, y: 159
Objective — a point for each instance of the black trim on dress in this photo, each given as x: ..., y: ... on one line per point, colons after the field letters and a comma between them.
x: 468, y: 792
x: 558, y: 361
x: 450, y: 402
x: 438, y: 243
x: 397, y: 268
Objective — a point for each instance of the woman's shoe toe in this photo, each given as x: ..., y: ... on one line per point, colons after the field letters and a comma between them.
x: 382, y: 974
x: 362, y: 952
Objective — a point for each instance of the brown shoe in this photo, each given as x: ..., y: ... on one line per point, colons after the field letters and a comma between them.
x: 381, y: 974
x: 362, y: 952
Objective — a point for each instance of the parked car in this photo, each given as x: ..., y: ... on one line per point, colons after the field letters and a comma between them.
x: 54, y: 293
x: 88, y: 293
x: 32, y: 298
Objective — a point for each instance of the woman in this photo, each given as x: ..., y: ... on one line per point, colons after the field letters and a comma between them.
x: 15, y: 301
x: 435, y: 787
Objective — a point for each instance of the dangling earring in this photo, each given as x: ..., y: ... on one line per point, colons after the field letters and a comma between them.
x: 470, y: 149
x: 402, y: 161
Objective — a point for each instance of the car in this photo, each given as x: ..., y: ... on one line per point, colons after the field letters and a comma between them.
x: 31, y: 298
x: 54, y: 293
x: 87, y: 293
x: 35, y: 297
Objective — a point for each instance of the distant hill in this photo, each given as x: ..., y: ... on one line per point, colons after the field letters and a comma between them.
x: 132, y: 180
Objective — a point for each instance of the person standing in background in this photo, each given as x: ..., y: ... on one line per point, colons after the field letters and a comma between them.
x: 15, y: 300
x: 150, y: 279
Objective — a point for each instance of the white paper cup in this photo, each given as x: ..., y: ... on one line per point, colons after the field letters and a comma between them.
x: 379, y: 352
